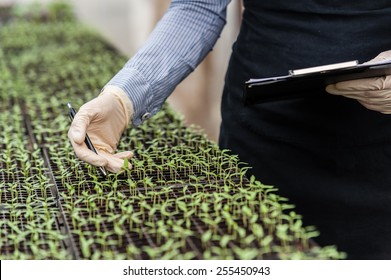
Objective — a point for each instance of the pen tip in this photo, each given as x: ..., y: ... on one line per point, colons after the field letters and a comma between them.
x: 69, y: 105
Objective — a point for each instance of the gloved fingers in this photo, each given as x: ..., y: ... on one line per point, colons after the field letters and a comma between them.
x: 114, y: 162
x: 383, y: 108
x: 124, y: 155
x: 367, y: 84
x: 381, y: 56
x: 379, y: 100
x: 378, y: 96
x: 85, y: 154
x: 79, y: 125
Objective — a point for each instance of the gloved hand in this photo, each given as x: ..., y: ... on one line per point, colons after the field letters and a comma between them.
x: 104, y: 119
x: 372, y: 93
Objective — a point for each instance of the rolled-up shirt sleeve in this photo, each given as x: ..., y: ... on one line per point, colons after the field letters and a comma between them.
x: 180, y: 41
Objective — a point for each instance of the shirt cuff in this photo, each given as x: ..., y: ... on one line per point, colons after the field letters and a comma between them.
x: 123, y: 98
x: 137, y: 88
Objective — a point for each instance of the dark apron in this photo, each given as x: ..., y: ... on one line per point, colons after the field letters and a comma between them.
x: 329, y: 155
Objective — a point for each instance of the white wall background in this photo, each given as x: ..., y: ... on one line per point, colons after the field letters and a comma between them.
x: 127, y: 24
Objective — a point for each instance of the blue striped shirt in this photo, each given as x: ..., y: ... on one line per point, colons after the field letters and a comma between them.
x: 180, y: 41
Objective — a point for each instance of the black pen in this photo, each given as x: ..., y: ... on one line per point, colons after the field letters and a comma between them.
x: 72, y: 114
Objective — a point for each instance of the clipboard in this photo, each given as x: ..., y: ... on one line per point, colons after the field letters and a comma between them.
x: 303, y: 82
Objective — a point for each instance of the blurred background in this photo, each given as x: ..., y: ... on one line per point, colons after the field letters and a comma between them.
x: 127, y: 23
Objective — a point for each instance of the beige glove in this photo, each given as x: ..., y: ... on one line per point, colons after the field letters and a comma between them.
x: 372, y: 93
x: 104, y: 118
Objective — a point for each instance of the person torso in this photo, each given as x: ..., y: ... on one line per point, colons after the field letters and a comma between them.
x: 277, y: 36
x: 282, y: 35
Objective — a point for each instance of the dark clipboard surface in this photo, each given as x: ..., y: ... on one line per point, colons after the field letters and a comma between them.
x: 298, y: 85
